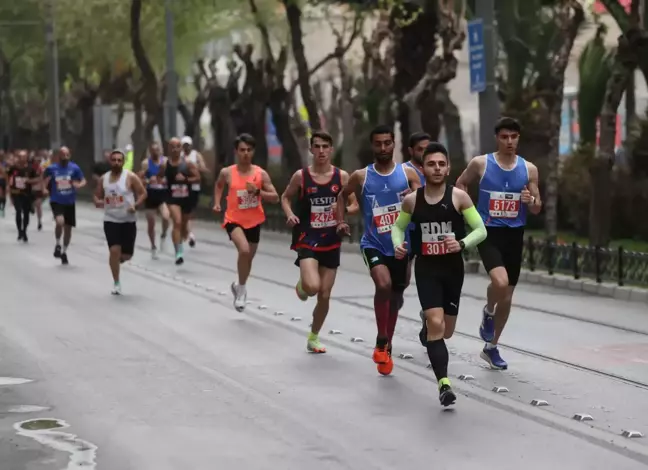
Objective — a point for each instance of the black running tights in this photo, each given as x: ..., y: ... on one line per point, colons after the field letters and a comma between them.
x: 22, y: 204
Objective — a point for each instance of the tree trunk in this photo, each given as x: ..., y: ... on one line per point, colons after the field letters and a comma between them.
x: 631, y: 46
x: 452, y: 124
x: 293, y: 13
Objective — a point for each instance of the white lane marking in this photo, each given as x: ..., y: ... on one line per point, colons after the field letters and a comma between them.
x: 83, y: 454
x: 27, y: 409
x: 13, y: 381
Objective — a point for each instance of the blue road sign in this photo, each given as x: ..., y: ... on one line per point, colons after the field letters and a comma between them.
x: 477, y: 59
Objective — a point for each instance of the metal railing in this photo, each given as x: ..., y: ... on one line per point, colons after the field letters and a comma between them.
x: 616, y: 265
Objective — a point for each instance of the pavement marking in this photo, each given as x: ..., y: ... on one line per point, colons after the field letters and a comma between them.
x: 13, y: 381
x: 83, y: 454
x: 27, y: 409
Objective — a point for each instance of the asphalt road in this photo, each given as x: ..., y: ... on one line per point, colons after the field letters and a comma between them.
x: 170, y: 376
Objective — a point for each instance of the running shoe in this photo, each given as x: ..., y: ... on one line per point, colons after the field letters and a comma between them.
x: 447, y: 396
x: 492, y: 356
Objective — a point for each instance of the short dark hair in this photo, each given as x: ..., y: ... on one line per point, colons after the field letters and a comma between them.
x: 435, y: 147
x: 325, y: 136
x: 509, y: 124
x: 417, y: 137
x: 381, y: 129
x: 246, y: 139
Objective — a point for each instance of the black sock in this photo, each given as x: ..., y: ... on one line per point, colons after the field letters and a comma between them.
x: 438, y: 354
x: 3, y: 201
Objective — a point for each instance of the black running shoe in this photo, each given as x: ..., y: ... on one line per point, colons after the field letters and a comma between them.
x: 64, y: 258
x: 179, y: 261
x: 57, y: 251
x: 446, y: 396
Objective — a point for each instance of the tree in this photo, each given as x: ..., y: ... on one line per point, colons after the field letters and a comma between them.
x: 630, y: 54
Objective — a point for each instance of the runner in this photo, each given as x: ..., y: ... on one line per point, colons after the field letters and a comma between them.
x: 180, y: 175
x: 157, y: 193
x: 248, y: 185
x: 120, y: 192
x: 438, y: 211
x: 315, y: 237
x: 62, y: 180
x: 21, y: 177
x: 418, y: 142
x: 380, y: 188
x: 508, y: 185
x: 197, y: 159
x: 37, y: 188
x: 3, y: 183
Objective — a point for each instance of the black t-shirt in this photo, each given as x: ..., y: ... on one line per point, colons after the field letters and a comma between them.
x: 18, y: 179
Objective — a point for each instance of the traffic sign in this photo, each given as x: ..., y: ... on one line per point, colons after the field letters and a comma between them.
x: 477, y: 58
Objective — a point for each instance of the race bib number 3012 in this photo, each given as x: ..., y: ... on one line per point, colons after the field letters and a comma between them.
x: 434, y: 245
x: 384, y: 217
x: 322, y: 217
x: 246, y: 200
x: 504, y: 205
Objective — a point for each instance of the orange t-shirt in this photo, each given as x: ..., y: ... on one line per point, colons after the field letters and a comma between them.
x: 243, y: 208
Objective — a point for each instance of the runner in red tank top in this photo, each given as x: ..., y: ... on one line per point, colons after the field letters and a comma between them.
x: 248, y: 185
x: 315, y: 237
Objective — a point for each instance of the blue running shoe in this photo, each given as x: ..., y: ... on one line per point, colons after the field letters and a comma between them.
x: 492, y: 356
x: 487, y: 327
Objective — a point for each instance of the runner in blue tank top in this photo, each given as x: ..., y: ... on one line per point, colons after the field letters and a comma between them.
x: 315, y: 236
x: 508, y: 188
x: 151, y: 173
x: 380, y: 188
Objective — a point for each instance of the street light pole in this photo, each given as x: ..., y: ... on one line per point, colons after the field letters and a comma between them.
x: 53, y: 79
x: 171, y: 80
x: 488, y: 100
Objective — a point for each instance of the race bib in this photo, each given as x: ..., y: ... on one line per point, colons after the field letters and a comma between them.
x: 246, y: 200
x: 384, y: 217
x: 179, y: 191
x: 434, y: 244
x: 158, y: 184
x: 20, y: 182
x: 322, y: 217
x: 504, y: 205
x: 114, y: 200
x: 63, y: 183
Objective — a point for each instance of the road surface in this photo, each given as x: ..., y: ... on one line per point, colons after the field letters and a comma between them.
x: 170, y: 376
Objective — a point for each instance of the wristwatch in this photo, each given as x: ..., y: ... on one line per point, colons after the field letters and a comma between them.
x: 462, y: 245
x: 258, y: 192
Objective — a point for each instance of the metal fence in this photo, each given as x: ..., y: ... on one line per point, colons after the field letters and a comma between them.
x: 616, y: 265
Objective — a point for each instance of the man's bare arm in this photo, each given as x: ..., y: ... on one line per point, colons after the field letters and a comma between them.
x: 219, y: 186
x: 471, y: 174
x: 268, y: 191
x: 348, y: 189
x: 536, y: 206
x: 412, y: 178
x: 138, y: 189
x: 294, y: 185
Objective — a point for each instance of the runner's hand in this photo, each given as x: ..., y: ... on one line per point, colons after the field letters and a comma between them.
x: 217, y: 208
x: 292, y: 221
x: 401, y: 250
x: 132, y: 209
x: 343, y: 229
x: 526, y: 197
x: 76, y: 184
x: 180, y: 177
x: 99, y: 203
x: 251, y: 188
x: 153, y: 180
x: 452, y: 245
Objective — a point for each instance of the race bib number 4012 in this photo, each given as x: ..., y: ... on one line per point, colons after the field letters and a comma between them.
x: 384, y: 217
x: 322, y: 217
x: 246, y: 200
x: 504, y: 205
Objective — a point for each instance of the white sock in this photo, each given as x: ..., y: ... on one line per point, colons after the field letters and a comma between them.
x: 64, y: 249
x: 490, y: 346
x: 488, y: 312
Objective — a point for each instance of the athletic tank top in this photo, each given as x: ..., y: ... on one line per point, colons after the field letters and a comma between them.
x: 153, y: 169
x: 193, y: 158
x: 433, y: 223
x: 317, y: 229
x: 418, y: 172
x: 118, y: 198
x: 177, y: 189
x: 381, y: 203
x: 500, y: 190
x: 243, y: 208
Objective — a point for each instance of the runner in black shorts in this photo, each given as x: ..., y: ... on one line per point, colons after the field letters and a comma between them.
x: 508, y: 187
x: 180, y: 175
x: 315, y: 237
x: 157, y: 190
x: 438, y: 211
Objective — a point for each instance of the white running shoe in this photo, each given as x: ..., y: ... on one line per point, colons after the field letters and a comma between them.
x: 116, y: 289
x: 240, y: 296
x: 154, y: 253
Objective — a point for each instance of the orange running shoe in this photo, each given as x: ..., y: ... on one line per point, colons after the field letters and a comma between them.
x: 380, y: 355
x: 387, y: 367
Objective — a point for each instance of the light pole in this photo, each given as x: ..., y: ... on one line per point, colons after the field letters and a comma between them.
x: 488, y: 100
x: 53, y: 78
x: 171, y: 104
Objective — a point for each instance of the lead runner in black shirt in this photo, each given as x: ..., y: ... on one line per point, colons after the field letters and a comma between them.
x: 438, y: 211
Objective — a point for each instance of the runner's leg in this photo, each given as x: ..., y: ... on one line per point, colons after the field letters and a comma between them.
x: 327, y: 279
x: 163, y: 209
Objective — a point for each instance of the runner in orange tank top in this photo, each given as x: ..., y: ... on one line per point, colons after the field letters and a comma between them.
x: 248, y: 185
